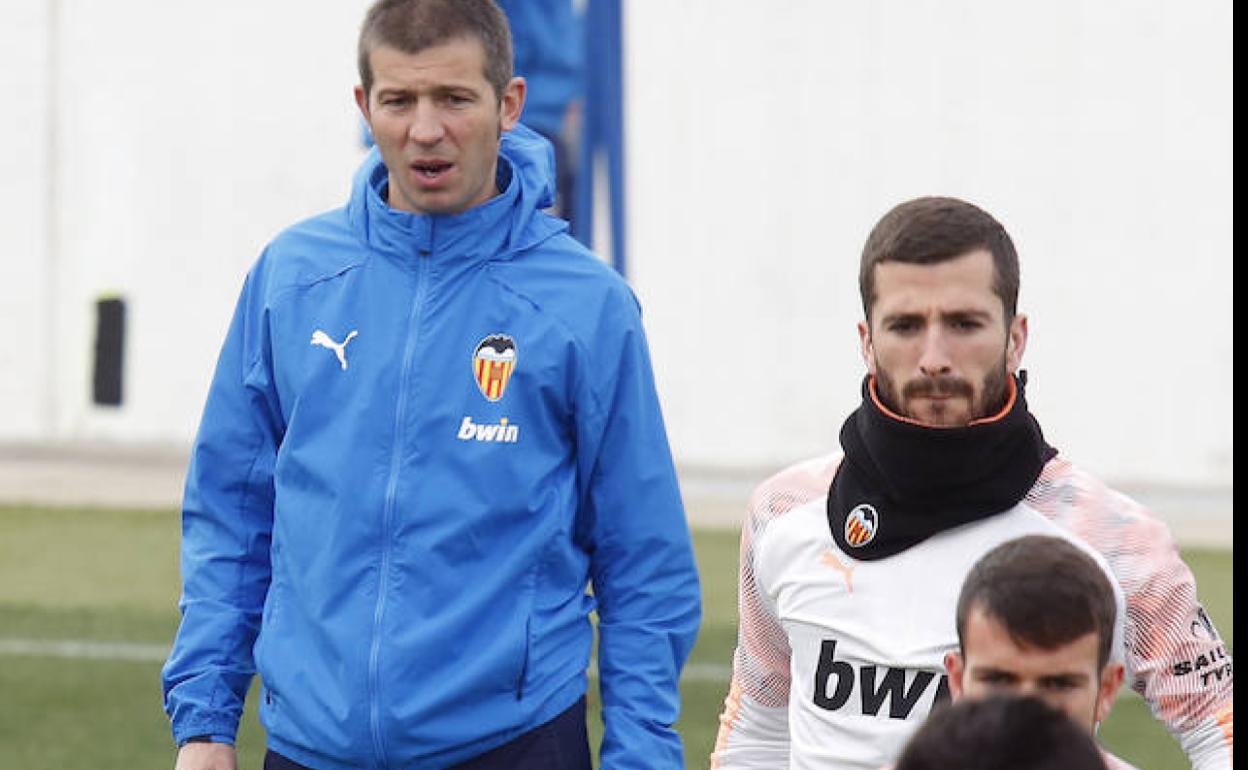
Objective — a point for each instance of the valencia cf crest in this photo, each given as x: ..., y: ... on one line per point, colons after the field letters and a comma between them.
x: 861, y: 525
x: 492, y: 364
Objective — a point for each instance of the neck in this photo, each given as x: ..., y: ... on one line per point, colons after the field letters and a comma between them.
x: 902, y: 481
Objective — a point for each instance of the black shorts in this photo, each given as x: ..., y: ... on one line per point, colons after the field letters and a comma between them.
x: 560, y: 744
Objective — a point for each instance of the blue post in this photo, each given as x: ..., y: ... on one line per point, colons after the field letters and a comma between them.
x: 603, y: 126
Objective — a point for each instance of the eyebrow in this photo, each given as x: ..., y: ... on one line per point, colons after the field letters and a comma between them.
x: 1064, y: 676
x: 894, y: 317
x: 442, y: 90
x: 1071, y: 676
x: 392, y: 91
x: 980, y: 315
x: 985, y: 671
x: 951, y: 315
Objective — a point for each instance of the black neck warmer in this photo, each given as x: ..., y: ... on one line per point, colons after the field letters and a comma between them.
x: 902, y: 482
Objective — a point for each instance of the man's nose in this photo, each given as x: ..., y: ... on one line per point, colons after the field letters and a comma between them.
x: 934, y: 359
x: 426, y: 126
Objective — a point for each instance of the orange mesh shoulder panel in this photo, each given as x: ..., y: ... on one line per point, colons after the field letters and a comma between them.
x: 1174, y: 655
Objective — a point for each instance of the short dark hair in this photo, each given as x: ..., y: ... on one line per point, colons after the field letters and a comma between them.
x: 1045, y: 591
x: 1000, y: 731
x: 926, y: 231
x: 411, y: 26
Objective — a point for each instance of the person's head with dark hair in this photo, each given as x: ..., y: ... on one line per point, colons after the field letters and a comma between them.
x: 931, y: 230
x: 1036, y: 617
x: 411, y: 26
x: 941, y: 331
x: 1000, y: 732
x: 437, y: 90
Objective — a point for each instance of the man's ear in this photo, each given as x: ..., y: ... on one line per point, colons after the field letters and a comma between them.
x: 512, y: 104
x: 1016, y: 343
x: 1111, y: 681
x: 956, y: 667
x: 867, y: 348
x: 361, y: 101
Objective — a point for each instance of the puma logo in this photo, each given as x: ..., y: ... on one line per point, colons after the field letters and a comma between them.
x: 340, y: 349
x: 830, y: 559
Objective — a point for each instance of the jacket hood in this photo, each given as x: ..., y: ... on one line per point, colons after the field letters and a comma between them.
x: 511, y: 221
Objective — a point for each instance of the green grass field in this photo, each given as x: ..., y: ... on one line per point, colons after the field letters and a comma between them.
x: 111, y: 576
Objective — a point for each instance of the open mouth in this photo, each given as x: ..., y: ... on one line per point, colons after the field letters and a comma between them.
x: 431, y: 169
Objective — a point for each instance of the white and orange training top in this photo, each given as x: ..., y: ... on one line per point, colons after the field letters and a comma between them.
x: 839, y: 660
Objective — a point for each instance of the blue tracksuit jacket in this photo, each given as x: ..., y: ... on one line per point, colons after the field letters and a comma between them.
x: 548, y: 39
x: 424, y: 437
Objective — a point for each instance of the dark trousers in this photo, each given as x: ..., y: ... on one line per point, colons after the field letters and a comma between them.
x: 560, y: 744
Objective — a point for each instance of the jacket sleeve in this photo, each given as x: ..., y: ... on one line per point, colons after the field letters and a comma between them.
x: 632, y: 523
x: 1175, y: 657
x: 227, y: 519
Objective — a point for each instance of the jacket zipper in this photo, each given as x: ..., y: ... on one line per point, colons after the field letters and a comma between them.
x: 524, y: 663
x: 396, y: 455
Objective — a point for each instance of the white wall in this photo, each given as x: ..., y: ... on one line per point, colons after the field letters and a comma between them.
x: 25, y: 313
x: 765, y: 141
x: 188, y: 135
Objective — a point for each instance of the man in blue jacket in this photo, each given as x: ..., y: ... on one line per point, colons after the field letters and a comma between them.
x: 433, y: 424
x: 548, y: 39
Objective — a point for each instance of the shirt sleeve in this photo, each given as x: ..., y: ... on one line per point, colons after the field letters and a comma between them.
x: 1174, y: 655
x: 754, y: 725
x: 227, y: 521
x: 633, y: 525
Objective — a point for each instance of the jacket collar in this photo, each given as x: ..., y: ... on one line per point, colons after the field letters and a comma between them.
x: 508, y: 222
x: 404, y: 235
